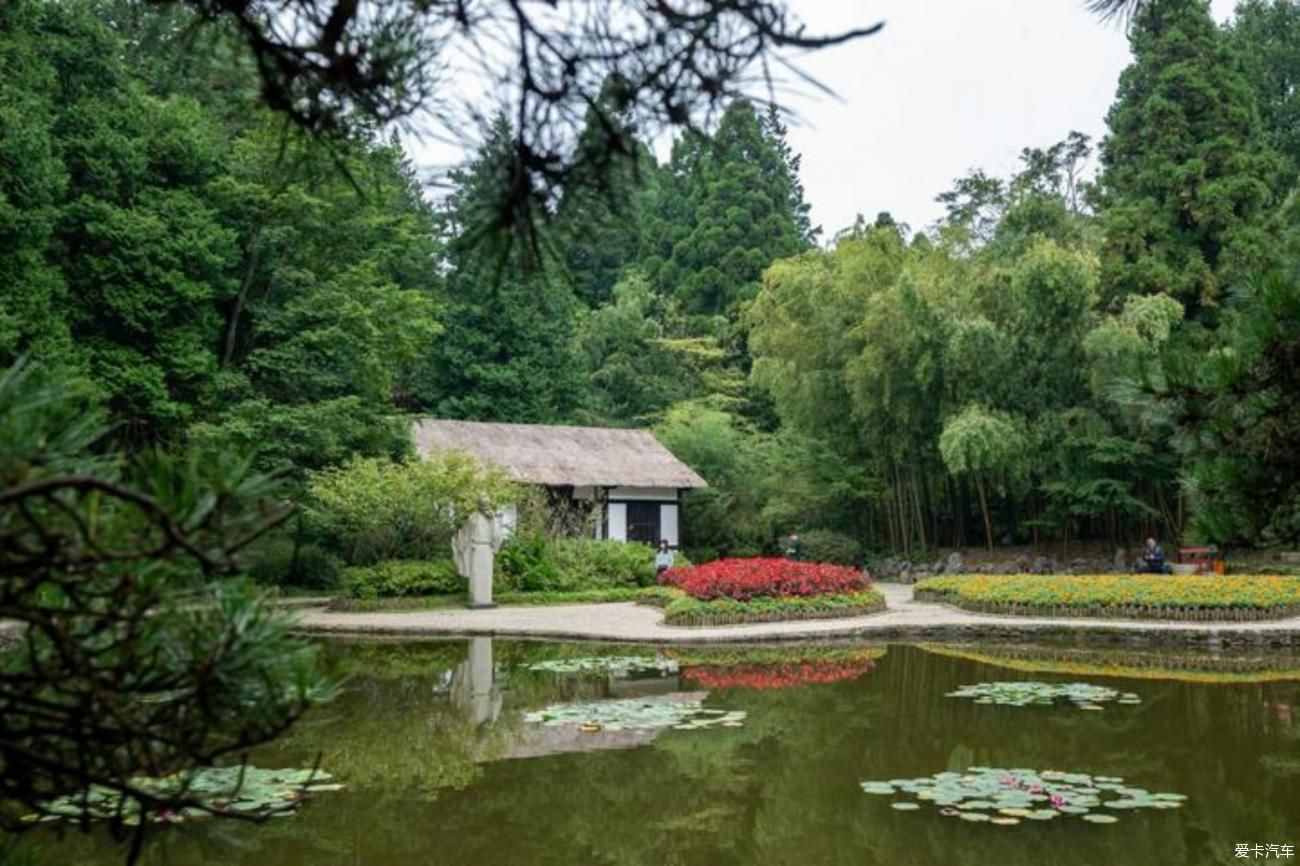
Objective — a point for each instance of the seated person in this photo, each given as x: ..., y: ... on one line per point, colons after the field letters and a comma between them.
x: 1153, y: 558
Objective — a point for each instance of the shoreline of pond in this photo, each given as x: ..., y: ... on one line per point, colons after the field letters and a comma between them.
x: 905, y: 619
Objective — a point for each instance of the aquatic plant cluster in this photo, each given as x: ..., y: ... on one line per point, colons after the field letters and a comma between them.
x: 744, y: 579
x: 616, y: 666
x: 1006, y: 797
x: 1085, y: 696
x: 637, y: 714
x: 1124, y: 596
x: 240, y: 790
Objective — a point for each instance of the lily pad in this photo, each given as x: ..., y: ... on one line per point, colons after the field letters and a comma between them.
x: 616, y: 666
x: 1085, y: 696
x: 637, y: 714
x: 904, y: 806
x: 1017, y: 795
x: 239, y: 790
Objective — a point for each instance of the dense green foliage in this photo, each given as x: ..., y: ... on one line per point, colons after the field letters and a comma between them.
x: 1188, y: 183
x: 372, y: 509
x: 1054, y: 359
x: 531, y: 562
x: 213, y: 276
x: 132, y: 659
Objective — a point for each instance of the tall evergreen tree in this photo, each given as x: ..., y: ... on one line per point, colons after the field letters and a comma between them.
x: 1266, y: 37
x: 745, y: 209
x: 1188, y: 184
x: 599, y: 221
x: 213, y: 278
x: 507, y: 353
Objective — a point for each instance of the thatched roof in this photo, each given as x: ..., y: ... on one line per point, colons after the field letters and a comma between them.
x: 560, y: 456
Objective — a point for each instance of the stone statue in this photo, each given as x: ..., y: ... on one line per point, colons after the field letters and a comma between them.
x: 473, y: 548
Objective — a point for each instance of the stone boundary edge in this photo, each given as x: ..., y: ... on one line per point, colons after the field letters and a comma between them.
x: 1121, y: 633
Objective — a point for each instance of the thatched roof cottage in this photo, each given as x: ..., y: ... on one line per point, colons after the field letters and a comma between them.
x: 635, y: 482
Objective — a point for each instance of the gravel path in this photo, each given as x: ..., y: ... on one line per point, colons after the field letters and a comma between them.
x: 905, y: 619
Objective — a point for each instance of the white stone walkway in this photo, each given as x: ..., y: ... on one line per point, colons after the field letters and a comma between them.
x: 905, y: 619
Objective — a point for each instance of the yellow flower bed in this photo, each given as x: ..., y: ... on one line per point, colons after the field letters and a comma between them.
x: 1140, y: 596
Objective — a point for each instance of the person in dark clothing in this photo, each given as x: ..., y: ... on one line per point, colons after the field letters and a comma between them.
x: 1153, y: 558
x: 794, y: 547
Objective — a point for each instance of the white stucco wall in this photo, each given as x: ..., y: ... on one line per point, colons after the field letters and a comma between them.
x: 617, y: 521
x: 663, y: 493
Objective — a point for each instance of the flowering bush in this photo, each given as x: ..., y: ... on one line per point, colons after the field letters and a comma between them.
x: 1155, y: 596
x: 759, y: 577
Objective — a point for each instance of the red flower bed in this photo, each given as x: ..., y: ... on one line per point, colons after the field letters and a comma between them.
x: 782, y: 675
x: 743, y: 579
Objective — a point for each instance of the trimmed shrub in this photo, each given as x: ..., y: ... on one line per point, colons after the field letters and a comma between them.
x: 397, y: 578
x: 687, y: 610
x: 758, y: 577
x: 827, y: 545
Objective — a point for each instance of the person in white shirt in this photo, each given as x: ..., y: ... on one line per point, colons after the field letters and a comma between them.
x: 663, y: 557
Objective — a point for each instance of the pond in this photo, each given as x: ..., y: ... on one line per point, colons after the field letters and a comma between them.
x: 504, y: 752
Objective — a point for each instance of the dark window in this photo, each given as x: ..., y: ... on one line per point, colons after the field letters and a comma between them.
x: 643, y: 522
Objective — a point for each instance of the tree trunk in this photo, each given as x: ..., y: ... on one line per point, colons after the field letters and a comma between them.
x: 984, y: 510
x: 233, y: 328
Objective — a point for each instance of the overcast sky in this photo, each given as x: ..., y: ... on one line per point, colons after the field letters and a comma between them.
x: 948, y: 85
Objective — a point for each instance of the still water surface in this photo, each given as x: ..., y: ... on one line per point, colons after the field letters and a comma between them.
x: 442, y: 766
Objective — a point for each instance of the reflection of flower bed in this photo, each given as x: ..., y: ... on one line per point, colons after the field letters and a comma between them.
x: 754, y: 577
x: 776, y: 675
x: 774, y: 667
x: 1118, y: 596
x: 1200, y: 668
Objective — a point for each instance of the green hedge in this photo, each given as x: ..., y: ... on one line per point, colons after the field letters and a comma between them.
x: 826, y: 545
x: 653, y: 595
x: 685, y: 610
x: 403, y: 578
x: 1126, y: 596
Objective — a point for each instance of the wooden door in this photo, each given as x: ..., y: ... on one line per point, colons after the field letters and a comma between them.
x: 643, y: 522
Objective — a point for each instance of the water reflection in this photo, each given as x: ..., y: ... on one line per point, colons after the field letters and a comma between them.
x: 442, y: 765
x: 474, y: 686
